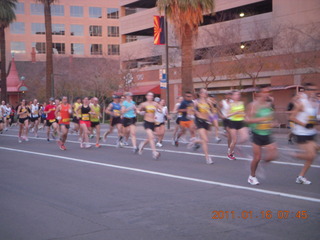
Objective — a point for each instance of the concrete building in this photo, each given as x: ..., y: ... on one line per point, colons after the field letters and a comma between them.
x: 247, y: 43
x: 80, y: 27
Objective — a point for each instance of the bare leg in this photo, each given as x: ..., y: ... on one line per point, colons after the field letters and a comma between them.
x: 256, y: 159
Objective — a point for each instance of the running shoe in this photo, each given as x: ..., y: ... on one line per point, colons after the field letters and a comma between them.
x: 87, y: 145
x: 140, y: 148
x: 48, y: 140
x: 302, y: 180
x: 155, y: 155
x: 176, y: 142
x: 218, y: 140
x: 121, y: 144
x: 26, y: 139
x: 183, y: 140
x: 231, y: 157
x: 158, y: 144
x: 135, y: 150
x: 196, y: 147
x: 59, y: 143
x: 253, y: 180
x: 19, y: 140
x: 98, y: 145
x: 125, y: 143
x: 63, y: 147
x: 209, y: 160
x: 81, y: 145
x: 91, y: 136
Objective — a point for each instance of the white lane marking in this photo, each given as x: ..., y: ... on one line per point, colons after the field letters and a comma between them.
x: 181, y: 152
x: 311, y: 199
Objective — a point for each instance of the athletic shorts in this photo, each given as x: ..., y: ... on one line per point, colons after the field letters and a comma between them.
x: 156, y: 124
x: 148, y: 125
x: 261, y: 140
x: 66, y: 125
x: 186, y: 124
x: 202, y: 123
x: 75, y: 120
x: 87, y: 123
x: 301, y: 139
x: 236, y: 124
x: 129, y: 121
x: 225, y: 122
x: 22, y: 120
x: 94, y: 124
x: 1, y: 121
x: 50, y: 122
x: 115, y: 121
x: 178, y: 120
x: 33, y: 119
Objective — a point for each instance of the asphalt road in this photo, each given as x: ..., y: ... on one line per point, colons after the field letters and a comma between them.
x: 112, y: 194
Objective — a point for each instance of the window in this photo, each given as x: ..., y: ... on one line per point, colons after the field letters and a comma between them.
x: 57, y: 10
x: 95, y: 12
x: 58, y: 29
x: 131, y: 38
x: 38, y: 28
x: 18, y: 47
x: 113, y: 49
x: 77, y: 48
x: 95, y: 31
x: 40, y: 47
x: 37, y: 9
x: 96, y: 49
x: 113, y: 31
x: 129, y: 11
x: 76, y: 11
x: 17, y: 28
x: 19, y: 8
x: 113, y: 13
x: 59, y: 48
x: 76, y: 30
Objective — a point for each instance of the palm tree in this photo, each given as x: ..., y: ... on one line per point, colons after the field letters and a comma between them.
x: 186, y: 16
x: 49, y: 53
x: 7, y: 16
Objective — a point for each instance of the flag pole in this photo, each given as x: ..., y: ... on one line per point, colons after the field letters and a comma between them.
x: 167, y: 62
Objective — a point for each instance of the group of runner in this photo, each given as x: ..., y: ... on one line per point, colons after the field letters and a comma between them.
x: 193, y: 115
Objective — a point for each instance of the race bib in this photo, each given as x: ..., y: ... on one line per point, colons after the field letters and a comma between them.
x: 264, y: 126
x: 312, y: 120
x: 66, y: 120
x: 85, y: 117
x: 116, y: 113
x: 52, y: 120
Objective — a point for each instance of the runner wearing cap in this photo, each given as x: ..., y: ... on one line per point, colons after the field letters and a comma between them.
x: 114, y: 110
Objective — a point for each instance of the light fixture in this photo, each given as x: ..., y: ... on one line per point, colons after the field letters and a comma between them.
x: 242, y: 46
x: 241, y: 14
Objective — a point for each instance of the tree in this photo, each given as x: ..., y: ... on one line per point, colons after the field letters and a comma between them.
x: 49, y: 59
x: 7, y: 16
x: 186, y: 17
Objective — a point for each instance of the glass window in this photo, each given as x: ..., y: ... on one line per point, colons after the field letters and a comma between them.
x: 95, y: 12
x: 113, y: 31
x: 59, y: 48
x: 77, y: 48
x: 131, y: 38
x: 76, y: 11
x: 129, y: 11
x: 38, y: 28
x: 18, y: 47
x: 58, y: 29
x: 37, y: 9
x: 95, y: 31
x: 17, y: 28
x: 113, y: 49
x: 76, y: 30
x: 40, y: 47
x: 96, y: 49
x: 57, y: 10
x: 113, y: 13
x: 19, y: 8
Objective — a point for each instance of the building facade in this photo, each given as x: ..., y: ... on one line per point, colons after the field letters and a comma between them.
x: 246, y: 43
x: 80, y: 28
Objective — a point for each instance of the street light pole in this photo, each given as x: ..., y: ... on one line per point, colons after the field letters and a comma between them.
x: 167, y: 62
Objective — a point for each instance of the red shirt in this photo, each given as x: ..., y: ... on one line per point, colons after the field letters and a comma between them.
x: 64, y: 114
x: 51, y: 109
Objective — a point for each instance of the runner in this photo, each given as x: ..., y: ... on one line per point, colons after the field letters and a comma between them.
x: 304, y: 117
x: 160, y: 118
x: 114, y: 110
x: 34, y: 119
x: 178, y: 117
x: 8, y: 116
x: 214, y: 118
x: 260, y: 117
x: 1, y: 120
x: 85, y: 123
x: 149, y: 108
x: 23, y: 115
x: 64, y: 111
x: 3, y: 107
x: 128, y: 110
x: 224, y: 107
x: 50, y: 110
x: 203, y: 109
x: 186, y: 121
x: 43, y: 116
x: 236, y: 123
x: 76, y: 116
x: 95, y: 116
